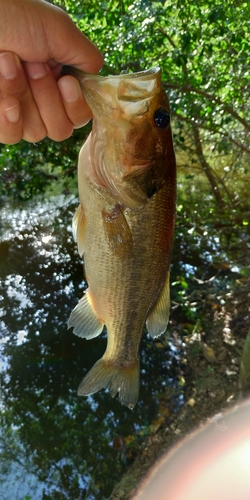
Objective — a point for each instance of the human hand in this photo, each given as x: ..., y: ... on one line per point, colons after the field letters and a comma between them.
x: 34, y: 100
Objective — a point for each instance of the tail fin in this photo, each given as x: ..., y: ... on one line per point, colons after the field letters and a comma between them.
x: 124, y: 380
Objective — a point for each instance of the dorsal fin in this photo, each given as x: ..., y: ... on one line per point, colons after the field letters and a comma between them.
x: 157, y: 321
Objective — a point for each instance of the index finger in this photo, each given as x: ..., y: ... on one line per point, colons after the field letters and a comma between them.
x: 75, y: 105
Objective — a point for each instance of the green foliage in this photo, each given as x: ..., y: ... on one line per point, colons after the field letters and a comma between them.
x: 27, y: 170
x: 203, y: 50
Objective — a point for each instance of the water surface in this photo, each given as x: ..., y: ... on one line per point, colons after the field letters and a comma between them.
x: 55, y: 444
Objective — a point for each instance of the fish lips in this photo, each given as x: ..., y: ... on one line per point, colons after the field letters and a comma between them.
x: 130, y: 94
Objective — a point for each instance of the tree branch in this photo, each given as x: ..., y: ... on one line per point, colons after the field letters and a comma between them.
x: 206, y: 167
x: 189, y: 88
x: 167, y: 36
x: 242, y: 147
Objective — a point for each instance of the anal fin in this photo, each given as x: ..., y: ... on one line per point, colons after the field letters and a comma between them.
x: 157, y: 320
x: 84, y: 320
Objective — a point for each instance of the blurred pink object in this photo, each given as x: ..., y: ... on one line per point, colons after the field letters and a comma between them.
x: 212, y: 463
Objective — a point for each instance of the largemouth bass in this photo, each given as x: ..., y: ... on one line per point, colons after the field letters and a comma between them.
x: 124, y: 225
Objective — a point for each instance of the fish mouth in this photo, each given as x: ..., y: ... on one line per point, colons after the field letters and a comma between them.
x: 127, y: 87
x: 82, y: 76
x: 147, y: 74
x: 131, y: 87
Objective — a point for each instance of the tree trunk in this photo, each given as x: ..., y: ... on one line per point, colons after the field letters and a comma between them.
x: 206, y: 167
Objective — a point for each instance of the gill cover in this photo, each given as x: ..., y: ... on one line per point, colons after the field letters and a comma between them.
x: 126, y: 139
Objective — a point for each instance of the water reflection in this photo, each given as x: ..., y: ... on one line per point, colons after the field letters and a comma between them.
x: 61, y: 443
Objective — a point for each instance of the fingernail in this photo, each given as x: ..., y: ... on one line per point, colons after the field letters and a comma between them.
x: 36, y: 70
x: 12, y: 114
x: 9, y: 64
x: 69, y: 88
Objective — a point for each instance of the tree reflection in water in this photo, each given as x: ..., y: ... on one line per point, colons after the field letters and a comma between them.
x: 47, y: 430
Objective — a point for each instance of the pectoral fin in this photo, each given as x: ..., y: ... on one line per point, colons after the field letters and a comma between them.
x: 117, y: 231
x: 84, y: 320
x: 157, y: 320
x: 78, y: 226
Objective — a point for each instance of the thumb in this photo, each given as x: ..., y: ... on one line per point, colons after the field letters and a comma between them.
x: 67, y: 45
x: 45, y: 33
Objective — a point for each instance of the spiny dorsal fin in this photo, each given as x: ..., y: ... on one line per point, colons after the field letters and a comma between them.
x: 84, y: 320
x: 157, y: 320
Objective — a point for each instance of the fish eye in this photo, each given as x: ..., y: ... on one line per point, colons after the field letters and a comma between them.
x: 162, y: 118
